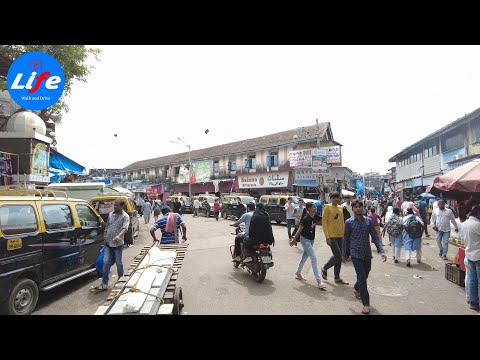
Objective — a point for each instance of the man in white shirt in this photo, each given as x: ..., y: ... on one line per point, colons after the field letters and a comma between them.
x: 196, y: 207
x: 290, y: 209
x: 471, y: 230
x: 441, y: 218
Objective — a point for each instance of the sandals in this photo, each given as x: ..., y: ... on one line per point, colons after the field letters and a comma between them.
x: 366, y: 310
x: 357, y: 293
x: 341, y: 281
x: 299, y: 276
x: 322, y: 286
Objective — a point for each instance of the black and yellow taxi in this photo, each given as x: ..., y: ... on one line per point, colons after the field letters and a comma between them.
x: 45, y: 241
x: 235, y: 205
x: 103, y: 204
x: 275, y: 206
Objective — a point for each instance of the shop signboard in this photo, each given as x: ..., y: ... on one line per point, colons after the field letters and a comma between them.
x: 301, y: 158
x: 269, y: 180
x: 319, y: 161
x: 304, y: 174
x: 40, y: 160
x: 333, y: 155
x: 182, y: 175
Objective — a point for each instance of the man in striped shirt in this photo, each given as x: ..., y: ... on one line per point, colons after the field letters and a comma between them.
x: 356, y: 243
x: 168, y: 237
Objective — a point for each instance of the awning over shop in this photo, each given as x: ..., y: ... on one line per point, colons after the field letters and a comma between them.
x: 60, y: 165
x: 308, y: 183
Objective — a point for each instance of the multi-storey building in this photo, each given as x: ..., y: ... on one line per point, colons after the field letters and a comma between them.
x: 447, y: 148
x: 259, y: 166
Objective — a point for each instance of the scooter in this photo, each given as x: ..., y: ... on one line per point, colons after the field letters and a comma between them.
x: 262, y: 258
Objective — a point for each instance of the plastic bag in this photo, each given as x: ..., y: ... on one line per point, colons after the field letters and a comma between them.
x: 99, y: 262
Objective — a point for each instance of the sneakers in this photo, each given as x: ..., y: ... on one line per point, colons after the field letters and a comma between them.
x: 324, y: 273
x: 102, y: 286
x: 248, y: 259
x: 474, y: 307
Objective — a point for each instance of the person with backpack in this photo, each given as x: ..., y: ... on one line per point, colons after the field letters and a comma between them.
x: 394, y: 228
x: 412, y: 235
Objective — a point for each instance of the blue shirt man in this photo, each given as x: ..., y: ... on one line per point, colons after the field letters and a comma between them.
x: 356, y: 243
x: 161, y: 223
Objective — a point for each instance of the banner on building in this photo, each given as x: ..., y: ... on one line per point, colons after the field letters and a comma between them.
x: 333, y: 155
x: 183, y: 175
x: 40, y: 160
x: 201, y: 171
x: 5, y: 169
x: 275, y: 179
x: 301, y: 158
x: 319, y: 161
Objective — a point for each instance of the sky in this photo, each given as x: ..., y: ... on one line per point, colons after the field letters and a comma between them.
x: 378, y: 99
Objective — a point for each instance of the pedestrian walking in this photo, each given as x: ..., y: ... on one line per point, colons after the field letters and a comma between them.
x: 289, y: 210
x: 115, y: 229
x: 357, y: 246
x: 412, y: 235
x: 169, y: 225
x: 471, y: 231
x: 216, y: 209
x: 394, y: 228
x: 377, y: 223
x: 147, y: 211
x: 196, y: 207
x: 441, y: 218
x: 333, y: 228
x: 306, y: 233
x: 422, y: 207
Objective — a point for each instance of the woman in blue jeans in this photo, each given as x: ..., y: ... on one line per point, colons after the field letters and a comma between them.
x: 306, y: 233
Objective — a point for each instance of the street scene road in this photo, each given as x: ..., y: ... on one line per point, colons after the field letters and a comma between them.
x: 211, y: 285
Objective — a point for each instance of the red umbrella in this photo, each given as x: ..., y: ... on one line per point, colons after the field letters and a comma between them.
x: 465, y: 178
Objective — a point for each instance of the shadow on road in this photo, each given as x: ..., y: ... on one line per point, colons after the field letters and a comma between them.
x: 244, y: 278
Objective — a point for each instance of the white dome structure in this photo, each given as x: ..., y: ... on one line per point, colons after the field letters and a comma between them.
x: 24, y: 122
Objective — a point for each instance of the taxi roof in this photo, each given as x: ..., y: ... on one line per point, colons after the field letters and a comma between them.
x: 36, y: 198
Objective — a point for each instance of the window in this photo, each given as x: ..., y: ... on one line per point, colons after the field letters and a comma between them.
x: 232, y: 166
x: 86, y: 216
x: 452, y: 141
x: 283, y: 201
x: 250, y: 162
x: 273, y: 201
x: 57, y: 217
x: 147, y: 172
x: 263, y: 200
x: 176, y: 171
x: 18, y: 219
x: 272, y: 160
x: 475, y: 126
x: 216, y: 167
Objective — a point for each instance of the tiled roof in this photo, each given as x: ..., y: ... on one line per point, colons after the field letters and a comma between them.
x: 261, y: 142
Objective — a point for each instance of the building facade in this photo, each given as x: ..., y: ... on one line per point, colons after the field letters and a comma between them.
x: 445, y: 149
x: 256, y: 166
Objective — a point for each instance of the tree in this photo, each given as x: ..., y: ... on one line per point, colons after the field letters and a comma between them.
x: 72, y: 58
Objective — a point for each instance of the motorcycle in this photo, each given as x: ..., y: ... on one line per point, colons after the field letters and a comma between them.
x: 261, y: 258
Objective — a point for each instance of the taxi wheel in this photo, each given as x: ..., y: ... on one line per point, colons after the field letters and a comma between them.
x: 23, y: 298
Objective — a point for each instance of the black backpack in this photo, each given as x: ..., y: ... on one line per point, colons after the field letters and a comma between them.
x: 346, y: 214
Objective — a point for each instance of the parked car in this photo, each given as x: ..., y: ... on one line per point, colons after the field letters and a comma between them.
x: 206, y: 204
x: 233, y: 208
x: 275, y: 205
x: 104, y: 206
x: 45, y: 241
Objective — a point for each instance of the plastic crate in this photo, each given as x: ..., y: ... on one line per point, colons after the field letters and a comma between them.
x: 454, y: 274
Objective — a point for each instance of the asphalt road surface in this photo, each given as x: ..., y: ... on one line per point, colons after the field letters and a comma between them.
x: 211, y: 285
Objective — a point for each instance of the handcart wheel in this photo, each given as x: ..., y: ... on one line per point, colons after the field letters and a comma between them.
x: 177, y: 301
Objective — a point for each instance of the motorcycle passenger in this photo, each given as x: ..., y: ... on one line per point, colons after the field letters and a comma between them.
x: 260, y: 230
x: 245, y: 218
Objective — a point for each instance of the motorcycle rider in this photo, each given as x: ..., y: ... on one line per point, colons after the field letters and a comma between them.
x: 245, y: 218
x: 260, y: 231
